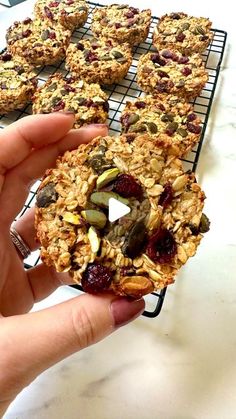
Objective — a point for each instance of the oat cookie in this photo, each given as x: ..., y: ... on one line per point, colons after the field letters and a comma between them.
x: 141, y: 251
x: 167, y: 71
x: 87, y: 101
x: 100, y: 61
x: 183, y: 33
x: 170, y: 119
x: 68, y: 13
x: 17, y: 82
x: 37, y: 41
x: 122, y: 23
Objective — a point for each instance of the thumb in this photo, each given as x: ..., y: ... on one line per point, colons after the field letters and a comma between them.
x: 33, y: 342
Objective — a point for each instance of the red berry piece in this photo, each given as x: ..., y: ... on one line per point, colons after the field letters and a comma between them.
x: 91, y: 57
x: 48, y: 12
x: 117, y: 25
x: 27, y: 21
x: 140, y: 105
x: 69, y: 88
x: 134, y: 10
x: 80, y: 46
x: 156, y: 59
x: 3, y: 86
x: 129, y: 15
x: 168, y: 54
x: 180, y: 37
x: 26, y: 33
x: 96, y: 278
x: 106, y: 106
x: 161, y: 246
x: 162, y: 86
x: 175, y: 16
x: 191, y: 117
x: 203, y: 38
x: 54, y: 4
x: 6, y: 56
x: 126, y: 186
x: 186, y: 71
x: 166, y: 196
x: 52, y: 35
x: 183, y: 59
x: 195, y: 129
x: 59, y: 106
x: 125, y: 120
x: 88, y: 102
x: 70, y: 80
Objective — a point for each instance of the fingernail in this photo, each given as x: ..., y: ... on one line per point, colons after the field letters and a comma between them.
x: 97, y: 126
x: 125, y: 310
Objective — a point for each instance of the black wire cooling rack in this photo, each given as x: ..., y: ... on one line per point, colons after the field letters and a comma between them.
x: 128, y: 89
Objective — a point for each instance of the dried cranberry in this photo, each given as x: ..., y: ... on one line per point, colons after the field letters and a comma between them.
x: 48, y: 12
x: 129, y: 15
x: 54, y: 4
x: 191, y: 117
x: 161, y: 107
x: 125, y: 120
x: 26, y: 33
x: 88, y: 102
x: 3, y: 86
x: 96, y: 278
x: 140, y: 105
x: 156, y: 59
x: 162, y: 86
x: 162, y: 74
x: 168, y: 54
x: 91, y: 57
x: 203, y: 38
x: 6, y: 56
x: 70, y: 80
x: 166, y: 196
x: 69, y: 88
x: 59, y: 106
x: 175, y: 16
x: 169, y: 132
x: 106, y: 106
x: 126, y: 186
x: 161, y: 246
x: 52, y: 35
x: 134, y: 10
x: 180, y: 37
x: 27, y: 20
x: 117, y: 25
x: 183, y: 59
x: 195, y: 129
x: 80, y: 46
x: 186, y: 71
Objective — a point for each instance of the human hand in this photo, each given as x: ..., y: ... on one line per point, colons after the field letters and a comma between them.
x: 32, y: 342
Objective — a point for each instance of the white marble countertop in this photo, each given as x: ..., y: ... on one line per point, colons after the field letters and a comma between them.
x: 180, y: 365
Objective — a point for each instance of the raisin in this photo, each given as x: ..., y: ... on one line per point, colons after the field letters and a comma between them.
x: 117, y: 25
x: 156, y: 59
x: 180, y: 37
x: 129, y: 15
x: 162, y: 74
x: 140, y: 105
x: 80, y: 46
x: 106, y: 106
x: 126, y: 186
x: 27, y: 21
x: 96, y: 278
x: 59, y: 106
x: 175, y: 16
x: 26, y: 33
x: 191, y: 117
x: 186, y: 71
x: 52, y: 35
x: 183, y: 59
x: 161, y: 246
x: 6, y: 56
x: 69, y: 88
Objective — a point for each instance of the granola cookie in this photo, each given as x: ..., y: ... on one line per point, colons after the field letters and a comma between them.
x: 37, y: 41
x: 17, y: 82
x: 183, y: 33
x: 68, y: 13
x: 122, y: 23
x: 100, y: 61
x: 141, y: 251
x: 167, y: 71
x: 166, y: 117
x: 87, y: 101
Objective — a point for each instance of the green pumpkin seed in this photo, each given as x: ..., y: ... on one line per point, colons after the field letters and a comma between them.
x: 46, y: 196
x: 117, y: 54
x: 45, y: 34
x: 107, y: 177
x: 82, y: 9
x: 122, y: 6
x: 182, y: 132
x: 200, y: 30
x: 133, y: 118
x: 204, y: 224
x: 173, y: 126
x: 135, y: 240
x: 121, y: 60
x: 105, y: 57
x: 168, y: 117
x: 181, y: 83
x: 152, y: 127
x: 95, y: 218
x: 51, y: 87
x: 102, y: 198
x: 185, y: 26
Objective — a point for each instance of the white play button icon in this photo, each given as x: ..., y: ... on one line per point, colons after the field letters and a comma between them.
x: 116, y: 210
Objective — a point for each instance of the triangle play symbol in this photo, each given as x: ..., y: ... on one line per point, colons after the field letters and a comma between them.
x: 117, y: 210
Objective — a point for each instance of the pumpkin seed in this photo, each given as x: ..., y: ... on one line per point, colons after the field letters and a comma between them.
x: 204, y: 225
x: 173, y: 126
x: 133, y: 118
x: 182, y: 132
x: 152, y: 127
x: 45, y: 34
x: 135, y: 240
x: 46, y: 196
x: 117, y: 54
x: 200, y: 30
x: 185, y: 26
